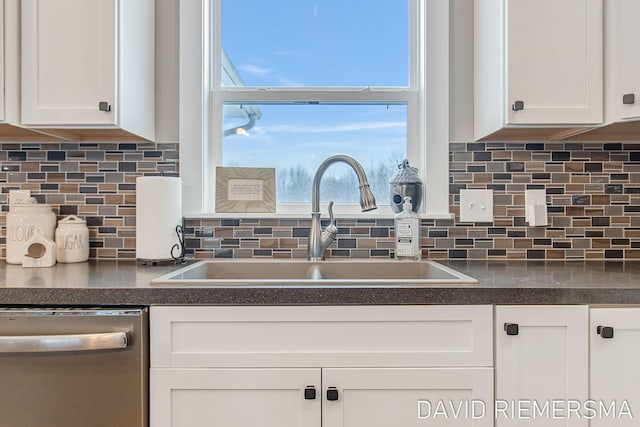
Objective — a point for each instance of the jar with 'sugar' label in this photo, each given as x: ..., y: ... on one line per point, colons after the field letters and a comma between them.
x: 72, y: 240
x: 24, y: 220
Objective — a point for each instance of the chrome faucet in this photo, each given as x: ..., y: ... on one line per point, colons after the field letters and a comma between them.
x: 318, y: 239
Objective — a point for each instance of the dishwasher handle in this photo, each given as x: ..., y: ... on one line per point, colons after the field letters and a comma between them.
x: 73, y: 342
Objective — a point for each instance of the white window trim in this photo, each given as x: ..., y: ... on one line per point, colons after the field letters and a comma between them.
x: 196, y: 155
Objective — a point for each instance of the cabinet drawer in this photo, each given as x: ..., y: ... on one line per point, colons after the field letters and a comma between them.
x: 327, y: 336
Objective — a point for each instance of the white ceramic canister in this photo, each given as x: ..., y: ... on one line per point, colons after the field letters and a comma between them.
x: 23, y: 221
x: 39, y: 252
x: 72, y: 240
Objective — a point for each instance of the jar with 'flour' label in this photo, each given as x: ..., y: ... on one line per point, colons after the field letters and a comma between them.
x: 24, y: 220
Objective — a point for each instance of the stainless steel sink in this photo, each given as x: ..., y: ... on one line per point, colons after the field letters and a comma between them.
x: 308, y: 273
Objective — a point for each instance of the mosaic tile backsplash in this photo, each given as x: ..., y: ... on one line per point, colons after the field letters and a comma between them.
x: 95, y: 181
x: 593, y: 203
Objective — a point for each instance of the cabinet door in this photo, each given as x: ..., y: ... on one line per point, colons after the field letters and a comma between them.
x: 554, y: 61
x: 615, y: 372
x: 68, y: 62
x: 234, y: 398
x: 403, y: 397
x: 541, y: 357
x: 2, y: 60
x: 623, y: 59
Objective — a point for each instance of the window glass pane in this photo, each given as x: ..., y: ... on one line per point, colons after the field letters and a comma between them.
x: 304, y: 43
x: 295, y: 139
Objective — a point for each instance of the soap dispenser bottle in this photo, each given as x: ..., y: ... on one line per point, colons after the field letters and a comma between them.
x: 407, y: 229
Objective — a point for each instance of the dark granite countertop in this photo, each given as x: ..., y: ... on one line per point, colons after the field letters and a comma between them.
x: 109, y: 283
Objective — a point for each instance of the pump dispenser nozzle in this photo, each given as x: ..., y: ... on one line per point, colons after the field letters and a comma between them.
x: 407, y: 203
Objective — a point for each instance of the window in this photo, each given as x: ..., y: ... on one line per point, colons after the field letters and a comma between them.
x: 295, y: 138
x: 316, y: 43
x: 286, y: 84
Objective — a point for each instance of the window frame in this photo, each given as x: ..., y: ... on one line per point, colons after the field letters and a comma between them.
x: 202, y: 98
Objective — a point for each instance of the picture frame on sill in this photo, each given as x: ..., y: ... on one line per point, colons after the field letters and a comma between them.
x: 245, y: 189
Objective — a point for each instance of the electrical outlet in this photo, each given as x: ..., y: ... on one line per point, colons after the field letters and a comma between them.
x: 476, y: 205
x: 535, y: 197
x: 535, y: 204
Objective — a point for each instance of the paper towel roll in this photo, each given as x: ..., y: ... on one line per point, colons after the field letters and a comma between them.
x: 158, y: 212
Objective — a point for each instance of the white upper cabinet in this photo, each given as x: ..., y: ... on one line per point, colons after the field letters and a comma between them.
x: 88, y: 66
x: 538, y: 65
x: 68, y: 62
x: 621, y: 74
x: 622, y: 69
x: 2, y: 60
x: 10, y: 129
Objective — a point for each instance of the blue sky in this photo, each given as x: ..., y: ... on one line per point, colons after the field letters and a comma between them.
x: 318, y: 43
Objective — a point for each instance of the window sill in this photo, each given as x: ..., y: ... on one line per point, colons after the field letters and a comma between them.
x: 276, y: 215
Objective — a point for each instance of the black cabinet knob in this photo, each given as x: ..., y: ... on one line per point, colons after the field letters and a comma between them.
x: 511, y: 328
x: 517, y: 106
x: 629, y: 98
x: 310, y: 392
x: 332, y: 393
x: 104, y: 106
x: 605, y: 331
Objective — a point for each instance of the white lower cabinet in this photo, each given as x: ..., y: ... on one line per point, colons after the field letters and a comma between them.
x: 235, y: 397
x: 321, y: 366
x: 381, y: 397
x: 615, y: 366
x: 349, y: 397
x: 542, y: 363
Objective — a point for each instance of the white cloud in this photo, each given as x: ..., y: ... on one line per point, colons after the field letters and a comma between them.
x: 264, y: 72
x: 290, y: 83
x: 255, y: 70
x: 345, y: 127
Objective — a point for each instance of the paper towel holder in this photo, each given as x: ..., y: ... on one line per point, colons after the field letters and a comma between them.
x: 158, y: 212
x: 177, y: 248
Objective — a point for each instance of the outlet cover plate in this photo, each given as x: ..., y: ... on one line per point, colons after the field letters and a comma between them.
x: 476, y: 205
x: 533, y: 198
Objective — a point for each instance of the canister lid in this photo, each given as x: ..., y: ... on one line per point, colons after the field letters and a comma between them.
x: 71, y: 220
x: 406, y: 174
x: 30, y: 205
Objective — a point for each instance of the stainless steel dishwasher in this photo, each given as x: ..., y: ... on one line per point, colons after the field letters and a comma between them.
x: 73, y: 367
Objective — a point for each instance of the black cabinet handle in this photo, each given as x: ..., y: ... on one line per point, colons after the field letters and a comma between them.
x: 104, y: 106
x: 332, y: 393
x: 628, y: 98
x: 605, y: 331
x: 310, y: 392
x: 517, y: 106
x: 511, y: 328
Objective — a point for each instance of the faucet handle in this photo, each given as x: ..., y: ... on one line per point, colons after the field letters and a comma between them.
x: 326, y: 237
x: 332, y: 220
x: 331, y: 227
